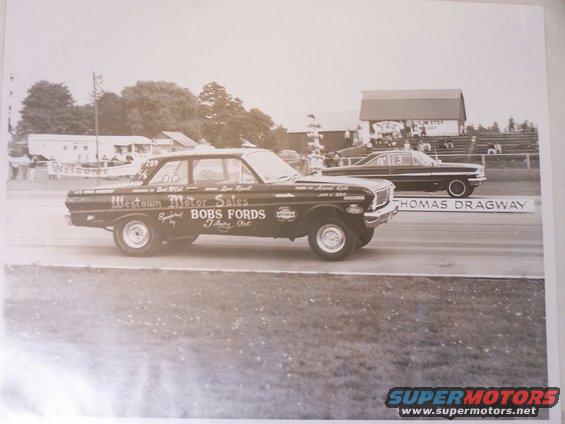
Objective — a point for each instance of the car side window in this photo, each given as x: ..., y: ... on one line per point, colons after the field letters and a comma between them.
x: 403, y: 159
x: 380, y: 160
x: 171, y: 172
x: 208, y: 171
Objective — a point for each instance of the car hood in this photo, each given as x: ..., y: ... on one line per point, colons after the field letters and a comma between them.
x: 360, y: 182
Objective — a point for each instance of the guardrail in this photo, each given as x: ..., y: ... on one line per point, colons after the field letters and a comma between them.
x: 507, y: 160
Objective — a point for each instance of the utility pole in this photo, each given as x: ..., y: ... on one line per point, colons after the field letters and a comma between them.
x: 96, y: 93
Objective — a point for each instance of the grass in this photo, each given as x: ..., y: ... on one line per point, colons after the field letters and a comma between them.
x: 238, y: 345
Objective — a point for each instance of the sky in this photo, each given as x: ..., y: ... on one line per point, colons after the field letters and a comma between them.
x: 287, y: 57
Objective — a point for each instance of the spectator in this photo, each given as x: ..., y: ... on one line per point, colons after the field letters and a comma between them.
x: 406, y: 145
x: 355, y: 139
x: 421, y: 146
x: 330, y: 160
x: 14, y: 165
x: 491, y: 149
x: 348, y: 140
x: 50, y: 171
x: 24, y: 163
x: 32, y: 165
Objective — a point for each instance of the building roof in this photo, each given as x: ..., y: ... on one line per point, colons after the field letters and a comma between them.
x: 395, y: 105
x: 115, y: 140
x: 180, y: 138
x: 329, y: 121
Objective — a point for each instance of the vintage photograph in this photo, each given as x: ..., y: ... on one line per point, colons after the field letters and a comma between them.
x: 274, y: 210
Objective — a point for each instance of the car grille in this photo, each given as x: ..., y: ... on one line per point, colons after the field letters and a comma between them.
x: 382, y: 197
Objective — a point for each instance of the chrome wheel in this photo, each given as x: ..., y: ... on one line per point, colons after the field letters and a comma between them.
x: 135, y: 234
x: 457, y: 188
x: 330, y: 238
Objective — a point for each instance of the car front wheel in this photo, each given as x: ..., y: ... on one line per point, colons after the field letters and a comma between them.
x: 331, y: 239
x: 459, y: 188
x: 136, y: 237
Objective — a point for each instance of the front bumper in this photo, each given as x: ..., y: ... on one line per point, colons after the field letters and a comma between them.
x: 381, y: 216
x: 477, y: 180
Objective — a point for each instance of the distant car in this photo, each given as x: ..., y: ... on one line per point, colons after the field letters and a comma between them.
x: 412, y: 170
x: 293, y: 158
x: 250, y: 192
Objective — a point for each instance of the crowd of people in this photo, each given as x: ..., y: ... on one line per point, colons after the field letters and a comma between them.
x: 22, y: 166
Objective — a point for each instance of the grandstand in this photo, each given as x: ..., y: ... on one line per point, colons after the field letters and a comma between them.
x: 474, y: 145
x: 511, y: 143
x: 518, y: 150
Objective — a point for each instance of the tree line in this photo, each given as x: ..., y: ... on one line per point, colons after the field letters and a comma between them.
x: 511, y: 127
x: 147, y: 108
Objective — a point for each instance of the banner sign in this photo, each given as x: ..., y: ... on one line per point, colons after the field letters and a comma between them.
x: 55, y: 168
x: 489, y: 205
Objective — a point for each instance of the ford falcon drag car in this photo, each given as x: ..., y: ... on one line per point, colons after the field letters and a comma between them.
x: 250, y: 192
x: 412, y: 170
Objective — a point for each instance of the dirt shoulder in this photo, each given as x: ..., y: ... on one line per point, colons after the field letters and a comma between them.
x: 247, y: 345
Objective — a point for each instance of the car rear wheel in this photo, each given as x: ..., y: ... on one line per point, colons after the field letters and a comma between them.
x: 136, y: 237
x: 365, y: 237
x: 331, y: 239
x: 459, y: 188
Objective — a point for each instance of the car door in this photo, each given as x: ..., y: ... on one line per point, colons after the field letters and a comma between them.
x: 171, y: 194
x: 236, y: 201
x: 406, y: 172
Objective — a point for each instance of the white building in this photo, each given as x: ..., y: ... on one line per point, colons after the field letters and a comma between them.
x: 82, y: 148
x: 172, y: 141
x: 431, y: 112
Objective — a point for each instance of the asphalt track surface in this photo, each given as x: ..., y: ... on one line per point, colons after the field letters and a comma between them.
x: 414, y: 243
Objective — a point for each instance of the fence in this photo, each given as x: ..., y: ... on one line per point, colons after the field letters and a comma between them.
x: 501, y: 160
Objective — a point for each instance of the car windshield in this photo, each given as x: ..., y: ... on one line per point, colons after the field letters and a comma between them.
x: 270, y: 167
x: 422, y: 157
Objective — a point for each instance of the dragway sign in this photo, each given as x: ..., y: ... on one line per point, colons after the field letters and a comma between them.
x: 488, y: 205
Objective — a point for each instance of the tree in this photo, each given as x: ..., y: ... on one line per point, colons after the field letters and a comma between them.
x: 112, y: 115
x: 281, y: 141
x: 226, y: 122
x: 495, y: 129
x: 482, y: 130
x: 49, y: 108
x: 259, y: 129
x: 470, y: 130
x: 511, y: 125
x: 152, y: 107
x: 223, y: 117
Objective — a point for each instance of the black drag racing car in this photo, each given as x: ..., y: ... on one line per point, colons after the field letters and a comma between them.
x: 251, y: 192
x: 412, y: 170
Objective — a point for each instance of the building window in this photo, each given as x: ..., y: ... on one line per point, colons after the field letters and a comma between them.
x: 64, y: 147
